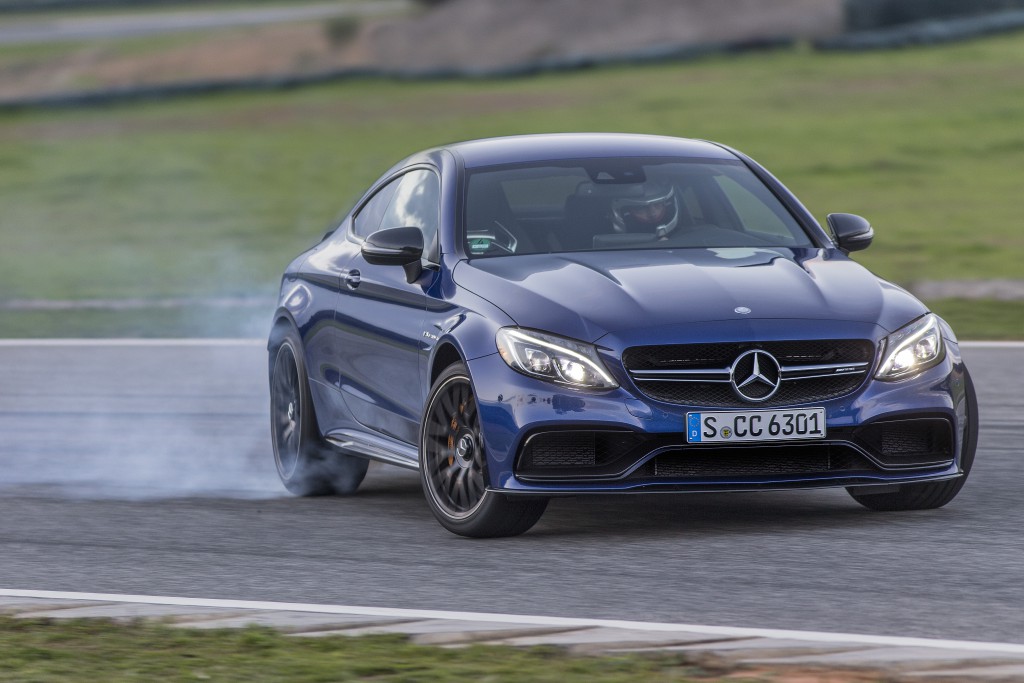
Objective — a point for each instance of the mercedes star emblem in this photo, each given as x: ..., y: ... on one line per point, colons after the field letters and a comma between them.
x: 755, y: 376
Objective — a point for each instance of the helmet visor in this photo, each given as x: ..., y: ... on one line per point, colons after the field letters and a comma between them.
x: 655, y: 214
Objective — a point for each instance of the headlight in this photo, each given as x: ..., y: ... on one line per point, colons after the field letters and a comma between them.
x: 914, y: 348
x: 556, y: 359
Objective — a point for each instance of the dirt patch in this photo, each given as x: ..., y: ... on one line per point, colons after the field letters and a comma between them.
x: 807, y: 675
x: 490, y: 34
x: 233, y: 53
x: 473, y: 35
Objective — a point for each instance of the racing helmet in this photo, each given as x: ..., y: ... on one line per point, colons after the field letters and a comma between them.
x: 653, y: 207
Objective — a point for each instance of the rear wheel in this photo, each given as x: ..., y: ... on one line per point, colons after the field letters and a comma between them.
x: 453, y: 466
x: 933, y: 494
x: 306, y: 465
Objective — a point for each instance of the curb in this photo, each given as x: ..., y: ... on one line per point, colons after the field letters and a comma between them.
x: 896, y: 658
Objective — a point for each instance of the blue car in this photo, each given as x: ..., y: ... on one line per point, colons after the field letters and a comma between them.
x: 553, y: 315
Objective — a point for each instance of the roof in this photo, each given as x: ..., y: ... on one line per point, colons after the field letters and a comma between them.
x: 530, y: 148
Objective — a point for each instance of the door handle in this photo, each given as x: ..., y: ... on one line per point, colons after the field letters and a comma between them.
x: 352, y: 279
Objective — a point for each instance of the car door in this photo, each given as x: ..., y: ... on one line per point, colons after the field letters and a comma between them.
x: 381, y: 315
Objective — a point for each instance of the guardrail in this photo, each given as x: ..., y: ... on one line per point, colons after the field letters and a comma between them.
x: 926, y: 32
x: 867, y: 15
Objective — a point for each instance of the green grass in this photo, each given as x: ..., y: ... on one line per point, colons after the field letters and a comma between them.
x: 38, y: 651
x: 990, y: 320
x: 214, y: 196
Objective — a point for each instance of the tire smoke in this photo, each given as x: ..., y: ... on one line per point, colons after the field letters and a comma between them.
x: 133, y: 419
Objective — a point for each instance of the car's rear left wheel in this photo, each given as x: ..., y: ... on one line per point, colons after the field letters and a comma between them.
x: 453, y: 466
x: 306, y: 465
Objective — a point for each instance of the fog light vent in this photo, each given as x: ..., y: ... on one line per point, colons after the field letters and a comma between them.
x: 572, y: 454
x: 906, y: 442
x: 910, y: 442
x: 571, y: 449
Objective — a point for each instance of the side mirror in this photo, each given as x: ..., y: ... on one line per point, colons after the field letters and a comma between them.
x: 853, y: 232
x: 396, y: 247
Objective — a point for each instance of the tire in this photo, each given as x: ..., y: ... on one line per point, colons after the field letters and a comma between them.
x: 934, y: 494
x: 307, y: 466
x: 453, y: 466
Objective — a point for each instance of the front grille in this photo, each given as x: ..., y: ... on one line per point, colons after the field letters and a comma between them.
x: 715, y: 463
x: 720, y: 394
x: 718, y: 358
x: 719, y: 355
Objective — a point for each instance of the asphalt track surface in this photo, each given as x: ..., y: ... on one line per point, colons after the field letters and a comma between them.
x: 147, y: 470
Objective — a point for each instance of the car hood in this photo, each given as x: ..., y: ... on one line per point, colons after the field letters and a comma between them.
x: 587, y: 295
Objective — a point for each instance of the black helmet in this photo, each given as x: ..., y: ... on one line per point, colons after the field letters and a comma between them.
x: 654, y: 207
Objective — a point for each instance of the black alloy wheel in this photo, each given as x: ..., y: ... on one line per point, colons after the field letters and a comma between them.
x: 307, y: 466
x: 286, y: 412
x: 931, y: 494
x: 454, y: 457
x: 453, y: 466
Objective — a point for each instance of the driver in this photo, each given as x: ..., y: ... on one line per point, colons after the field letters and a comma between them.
x: 653, y: 208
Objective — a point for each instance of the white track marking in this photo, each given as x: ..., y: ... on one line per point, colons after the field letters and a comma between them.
x: 570, y: 622
x: 992, y: 344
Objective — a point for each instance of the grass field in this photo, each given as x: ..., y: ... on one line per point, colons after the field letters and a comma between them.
x: 214, y: 196
x: 96, y: 650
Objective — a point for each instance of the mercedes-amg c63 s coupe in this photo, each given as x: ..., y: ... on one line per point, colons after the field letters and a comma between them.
x: 526, y: 317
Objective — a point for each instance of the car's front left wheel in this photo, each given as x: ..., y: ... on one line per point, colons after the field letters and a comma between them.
x: 307, y: 466
x: 453, y: 466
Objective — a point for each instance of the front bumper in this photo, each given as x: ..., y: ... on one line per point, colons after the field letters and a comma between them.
x: 620, y: 441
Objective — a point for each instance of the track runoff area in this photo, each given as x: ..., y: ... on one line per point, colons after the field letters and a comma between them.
x: 529, y: 620
x: 513, y: 620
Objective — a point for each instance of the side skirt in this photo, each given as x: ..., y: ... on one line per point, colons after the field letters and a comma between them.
x: 380, y: 448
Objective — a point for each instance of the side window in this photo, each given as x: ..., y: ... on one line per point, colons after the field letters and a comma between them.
x: 416, y: 204
x: 368, y: 220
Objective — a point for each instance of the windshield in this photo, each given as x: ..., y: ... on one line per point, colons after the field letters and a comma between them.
x: 622, y: 203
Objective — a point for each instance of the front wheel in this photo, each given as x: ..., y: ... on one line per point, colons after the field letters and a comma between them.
x: 453, y: 466
x: 933, y: 494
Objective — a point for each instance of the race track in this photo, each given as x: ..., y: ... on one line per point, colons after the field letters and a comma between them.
x: 147, y: 469
x: 55, y: 28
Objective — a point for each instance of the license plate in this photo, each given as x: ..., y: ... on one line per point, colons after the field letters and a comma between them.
x: 755, y: 425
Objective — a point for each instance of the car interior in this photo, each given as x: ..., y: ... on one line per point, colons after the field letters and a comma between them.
x: 554, y: 210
